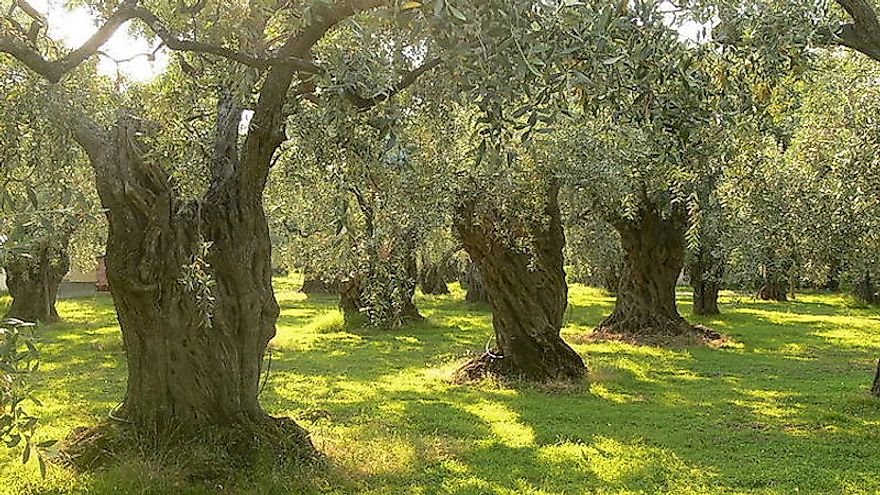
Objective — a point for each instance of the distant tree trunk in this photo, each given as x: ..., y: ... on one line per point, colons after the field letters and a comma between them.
x: 33, y: 279
x: 774, y: 286
x: 653, y: 249
x: 432, y: 278
x: 875, y: 387
x: 705, y: 273
x: 383, y: 292
x: 351, y: 301
x: 611, y: 279
x: 314, y: 284
x: 832, y: 278
x: 528, y: 294
x: 865, y: 290
x: 476, y: 291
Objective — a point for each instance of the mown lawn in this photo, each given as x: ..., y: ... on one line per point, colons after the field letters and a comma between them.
x: 784, y: 409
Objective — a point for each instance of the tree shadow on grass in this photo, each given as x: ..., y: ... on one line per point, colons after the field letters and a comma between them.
x: 786, y: 409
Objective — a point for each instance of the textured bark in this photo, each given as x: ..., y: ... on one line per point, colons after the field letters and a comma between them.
x: 528, y: 294
x: 182, y: 375
x: 473, y: 282
x: 33, y: 280
x: 653, y: 249
x: 705, y: 273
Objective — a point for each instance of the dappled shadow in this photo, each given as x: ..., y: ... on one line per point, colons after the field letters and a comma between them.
x: 784, y: 409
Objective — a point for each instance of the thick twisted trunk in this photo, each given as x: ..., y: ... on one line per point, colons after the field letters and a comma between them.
x: 528, y: 294
x: 383, y: 292
x: 195, y: 326
x: 705, y: 274
x: 314, y: 284
x: 653, y: 249
x: 34, y: 277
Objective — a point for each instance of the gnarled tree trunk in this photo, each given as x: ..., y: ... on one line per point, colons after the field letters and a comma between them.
x: 33, y: 279
x: 194, y: 349
x: 705, y: 274
x: 653, y: 249
x: 528, y: 294
x: 383, y: 292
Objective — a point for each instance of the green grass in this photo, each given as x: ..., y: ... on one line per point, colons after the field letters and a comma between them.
x: 783, y: 410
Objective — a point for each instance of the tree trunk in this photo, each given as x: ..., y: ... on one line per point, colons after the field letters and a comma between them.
x: 832, y: 278
x: 432, y: 278
x: 33, y: 280
x: 875, y: 387
x: 705, y: 274
x: 865, y: 290
x: 313, y: 284
x: 383, y: 293
x: 528, y: 294
x: 195, y: 323
x: 653, y: 250
x: 774, y: 286
x: 476, y: 291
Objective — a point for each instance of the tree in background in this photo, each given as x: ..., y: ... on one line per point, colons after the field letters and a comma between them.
x: 47, y: 195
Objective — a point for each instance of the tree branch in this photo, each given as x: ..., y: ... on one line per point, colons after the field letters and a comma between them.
x: 863, y: 35
x: 406, y: 81
x: 54, y: 70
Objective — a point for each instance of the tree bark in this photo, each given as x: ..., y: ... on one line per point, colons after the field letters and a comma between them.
x: 528, y: 294
x: 194, y: 347
x: 653, y: 249
x: 705, y: 274
x: 33, y: 279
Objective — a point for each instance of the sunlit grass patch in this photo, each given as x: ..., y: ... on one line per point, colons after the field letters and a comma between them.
x: 784, y: 411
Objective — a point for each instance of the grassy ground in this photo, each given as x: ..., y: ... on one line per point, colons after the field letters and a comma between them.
x: 784, y: 409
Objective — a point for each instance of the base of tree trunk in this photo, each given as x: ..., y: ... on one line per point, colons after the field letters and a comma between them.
x: 773, y: 292
x: 433, y: 280
x: 313, y: 285
x: 657, y: 331
x: 706, y: 300
x: 205, y: 454
x: 569, y: 367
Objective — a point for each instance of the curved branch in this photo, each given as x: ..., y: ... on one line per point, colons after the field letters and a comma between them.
x: 406, y: 81
x: 863, y: 34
